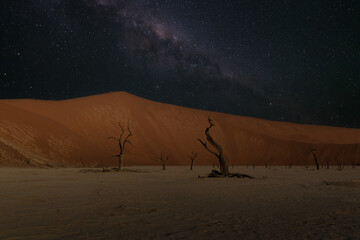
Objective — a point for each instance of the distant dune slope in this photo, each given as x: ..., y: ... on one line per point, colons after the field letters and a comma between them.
x: 74, y: 133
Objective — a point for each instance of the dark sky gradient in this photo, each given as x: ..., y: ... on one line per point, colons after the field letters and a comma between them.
x: 284, y: 60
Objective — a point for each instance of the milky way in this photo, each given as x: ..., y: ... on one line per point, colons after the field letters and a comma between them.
x: 152, y: 44
x: 171, y: 62
x: 286, y: 60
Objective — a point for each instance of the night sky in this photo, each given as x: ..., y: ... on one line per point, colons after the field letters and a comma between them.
x: 289, y: 60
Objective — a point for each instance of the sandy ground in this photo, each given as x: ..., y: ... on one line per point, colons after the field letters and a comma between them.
x: 175, y: 204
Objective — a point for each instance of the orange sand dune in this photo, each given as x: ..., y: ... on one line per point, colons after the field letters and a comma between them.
x: 74, y: 133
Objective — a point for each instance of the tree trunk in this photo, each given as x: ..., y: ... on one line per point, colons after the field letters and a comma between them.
x: 222, y: 162
x: 224, y: 169
x: 121, y: 162
x: 316, y: 161
x: 191, y: 166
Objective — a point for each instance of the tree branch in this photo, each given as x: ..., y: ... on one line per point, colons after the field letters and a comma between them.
x: 122, y: 131
x: 193, y: 155
x: 210, y: 138
x: 206, y: 147
x: 113, y: 138
x: 127, y: 137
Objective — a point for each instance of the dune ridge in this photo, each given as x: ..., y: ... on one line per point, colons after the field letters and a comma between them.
x: 74, y: 133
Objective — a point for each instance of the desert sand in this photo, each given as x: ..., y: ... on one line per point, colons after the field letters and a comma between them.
x: 296, y: 203
x: 73, y: 133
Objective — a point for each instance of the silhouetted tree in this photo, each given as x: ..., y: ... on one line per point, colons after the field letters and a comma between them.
x: 313, y: 151
x: 192, y: 158
x: 327, y: 160
x: 163, y: 160
x: 82, y: 162
x: 340, y: 166
x: 268, y: 163
x: 224, y: 170
x: 122, y: 144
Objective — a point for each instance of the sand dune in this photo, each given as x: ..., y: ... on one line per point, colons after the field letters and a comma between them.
x: 74, y: 133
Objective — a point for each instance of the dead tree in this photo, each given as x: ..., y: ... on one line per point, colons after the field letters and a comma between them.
x: 327, y: 163
x: 192, y: 158
x: 313, y: 151
x: 82, y: 162
x: 268, y: 163
x: 340, y: 166
x: 103, y: 166
x: 163, y: 160
x: 224, y: 170
x: 122, y: 144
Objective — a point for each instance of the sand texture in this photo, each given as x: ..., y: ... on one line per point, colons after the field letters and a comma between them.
x: 281, y: 203
x: 74, y: 133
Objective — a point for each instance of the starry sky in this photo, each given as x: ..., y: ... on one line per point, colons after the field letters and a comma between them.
x: 288, y: 60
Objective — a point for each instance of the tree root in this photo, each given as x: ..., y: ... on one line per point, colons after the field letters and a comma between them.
x: 217, y: 174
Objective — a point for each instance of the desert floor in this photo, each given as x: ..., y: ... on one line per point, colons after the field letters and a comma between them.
x: 281, y: 203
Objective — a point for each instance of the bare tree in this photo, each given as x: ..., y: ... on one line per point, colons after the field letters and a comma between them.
x: 192, y: 158
x: 82, y: 162
x: 103, y: 166
x: 122, y: 144
x: 268, y: 163
x: 163, y: 160
x: 224, y: 170
x: 313, y: 151
x: 327, y: 161
x: 340, y: 166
